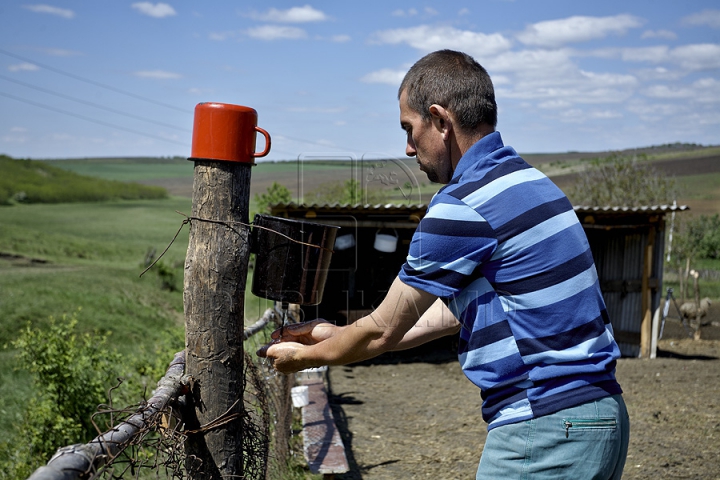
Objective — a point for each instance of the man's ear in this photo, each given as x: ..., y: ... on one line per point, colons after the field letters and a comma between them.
x: 441, y: 120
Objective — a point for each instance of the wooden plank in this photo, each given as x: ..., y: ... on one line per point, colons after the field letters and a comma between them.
x: 646, y: 325
x: 322, y: 445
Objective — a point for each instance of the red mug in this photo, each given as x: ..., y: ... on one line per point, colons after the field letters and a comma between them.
x: 226, y: 132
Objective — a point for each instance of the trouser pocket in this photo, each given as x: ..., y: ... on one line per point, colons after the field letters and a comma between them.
x: 579, y: 424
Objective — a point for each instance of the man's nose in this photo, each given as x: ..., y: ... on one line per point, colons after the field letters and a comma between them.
x: 410, y: 150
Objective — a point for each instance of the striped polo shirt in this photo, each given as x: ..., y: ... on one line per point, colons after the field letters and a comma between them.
x: 502, y: 246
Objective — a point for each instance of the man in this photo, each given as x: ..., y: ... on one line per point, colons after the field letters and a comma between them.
x: 500, y: 256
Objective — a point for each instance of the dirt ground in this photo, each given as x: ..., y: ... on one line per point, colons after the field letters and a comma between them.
x: 402, y: 418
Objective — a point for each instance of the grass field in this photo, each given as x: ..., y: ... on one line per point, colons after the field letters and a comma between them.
x: 64, y: 257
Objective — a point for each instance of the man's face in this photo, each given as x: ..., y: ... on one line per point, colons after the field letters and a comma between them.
x: 425, y: 142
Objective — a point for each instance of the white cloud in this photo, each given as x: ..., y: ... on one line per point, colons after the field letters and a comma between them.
x: 580, y: 116
x: 550, y: 78
x: 653, y: 112
x: 668, y: 93
x: 17, y: 135
x: 410, y: 12
x: 693, y: 57
x: 323, y: 110
x: 59, y: 52
x: 463, y: 12
x: 555, y: 104
x: 276, y: 32
x: 429, y: 38
x: 431, y: 11
x: 158, y: 74
x: 711, y: 18
x: 199, y: 91
x: 302, y: 14
x: 659, y: 73
x: 703, y: 91
x: 60, y: 12
x: 604, y: 114
x: 704, y: 56
x: 23, y: 67
x: 645, y: 54
x: 533, y: 63
x: 555, y: 33
x: 386, y: 76
x: 340, y: 38
x: 157, y: 10
x: 221, y: 36
x: 665, y: 34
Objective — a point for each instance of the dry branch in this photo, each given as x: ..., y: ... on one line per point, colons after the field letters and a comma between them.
x: 83, y: 460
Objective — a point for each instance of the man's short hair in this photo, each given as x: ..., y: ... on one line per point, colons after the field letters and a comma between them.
x: 455, y: 81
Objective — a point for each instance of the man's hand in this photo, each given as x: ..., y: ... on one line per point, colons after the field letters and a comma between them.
x: 284, y: 356
x: 307, y: 333
x: 285, y: 348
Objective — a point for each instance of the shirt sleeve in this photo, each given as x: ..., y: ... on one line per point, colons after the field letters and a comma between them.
x: 451, y: 242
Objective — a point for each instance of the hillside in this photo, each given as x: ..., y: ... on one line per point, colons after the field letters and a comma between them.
x: 32, y: 181
x: 696, y: 170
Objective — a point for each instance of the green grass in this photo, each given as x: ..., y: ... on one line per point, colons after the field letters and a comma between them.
x: 127, y: 169
x: 93, y: 254
x: 699, y: 187
x: 30, y: 181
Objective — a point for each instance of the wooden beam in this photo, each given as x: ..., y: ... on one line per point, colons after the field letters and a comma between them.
x: 646, y: 325
x: 215, y: 277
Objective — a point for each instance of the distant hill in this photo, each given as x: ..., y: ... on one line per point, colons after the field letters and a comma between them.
x: 32, y: 181
x: 696, y: 169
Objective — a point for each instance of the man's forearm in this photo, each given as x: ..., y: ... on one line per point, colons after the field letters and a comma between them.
x: 436, y: 322
x: 381, y: 331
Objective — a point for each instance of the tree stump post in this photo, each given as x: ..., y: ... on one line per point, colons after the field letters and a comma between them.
x: 215, y: 276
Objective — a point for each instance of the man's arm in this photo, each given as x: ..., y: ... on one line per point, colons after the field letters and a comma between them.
x: 379, y: 332
x: 436, y: 322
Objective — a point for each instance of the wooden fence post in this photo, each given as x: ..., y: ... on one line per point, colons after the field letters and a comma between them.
x: 215, y: 277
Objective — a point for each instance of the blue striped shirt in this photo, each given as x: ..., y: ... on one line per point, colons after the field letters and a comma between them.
x: 502, y: 246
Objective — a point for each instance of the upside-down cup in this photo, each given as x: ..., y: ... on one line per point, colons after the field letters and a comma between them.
x: 226, y: 132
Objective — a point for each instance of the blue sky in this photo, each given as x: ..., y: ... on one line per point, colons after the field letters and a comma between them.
x: 121, y: 78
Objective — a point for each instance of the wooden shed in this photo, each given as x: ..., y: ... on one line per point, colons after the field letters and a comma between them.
x: 628, y: 245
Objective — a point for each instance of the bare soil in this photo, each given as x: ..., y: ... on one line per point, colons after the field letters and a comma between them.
x: 404, y: 418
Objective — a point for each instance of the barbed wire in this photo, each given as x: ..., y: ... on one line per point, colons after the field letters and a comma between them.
x: 150, y: 439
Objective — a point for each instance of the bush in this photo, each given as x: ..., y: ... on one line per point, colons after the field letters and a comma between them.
x: 71, y: 375
x: 621, y: 182
x: 276, y: 194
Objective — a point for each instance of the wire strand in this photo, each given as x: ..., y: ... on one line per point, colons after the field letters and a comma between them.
x: 93, y: 82
x: 92, y: 104
x: 89, y: 119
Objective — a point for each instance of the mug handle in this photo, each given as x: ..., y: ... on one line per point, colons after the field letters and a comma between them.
x: 267, y: 143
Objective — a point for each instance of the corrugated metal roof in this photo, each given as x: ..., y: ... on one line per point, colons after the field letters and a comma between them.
x: 387, y: 208
x: 641, y: 209
x: 390, y: 208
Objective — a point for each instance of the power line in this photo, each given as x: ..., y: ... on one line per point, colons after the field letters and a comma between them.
x: 113, y: 89
x: 89, y: 119
x: 93, y: 82
x: 92, y: 104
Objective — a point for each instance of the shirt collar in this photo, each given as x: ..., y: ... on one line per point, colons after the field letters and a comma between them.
x: 483, y: 147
